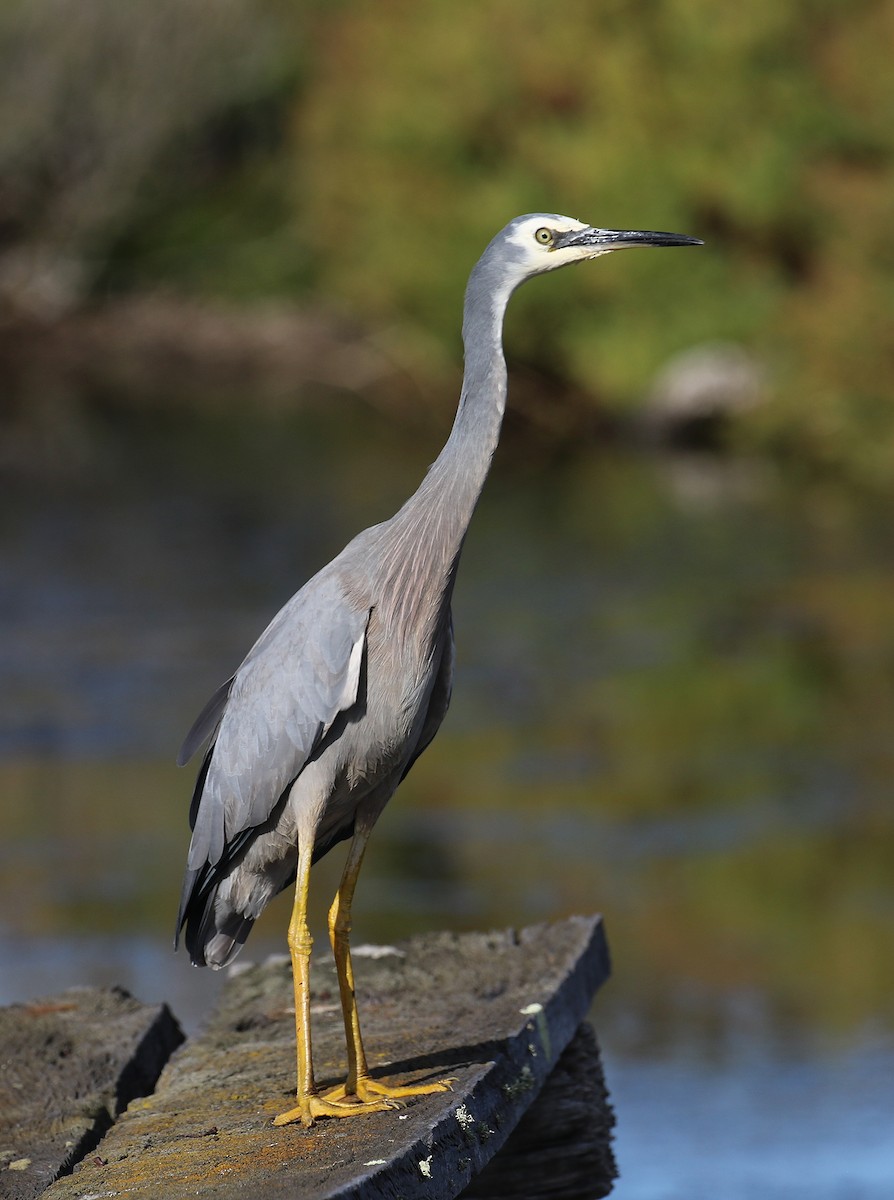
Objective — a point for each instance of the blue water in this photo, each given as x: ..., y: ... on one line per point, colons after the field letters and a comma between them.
x: 125, y: 602
x: 764, y: 1127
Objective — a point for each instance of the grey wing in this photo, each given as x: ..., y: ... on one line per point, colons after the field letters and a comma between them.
x: 300, y: 674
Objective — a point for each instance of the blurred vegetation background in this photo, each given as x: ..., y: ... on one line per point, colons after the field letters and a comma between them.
x: 297, y: 192
x: 234, y: 236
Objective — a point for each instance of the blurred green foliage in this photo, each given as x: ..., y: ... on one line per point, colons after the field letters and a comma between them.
x: 358, y: 155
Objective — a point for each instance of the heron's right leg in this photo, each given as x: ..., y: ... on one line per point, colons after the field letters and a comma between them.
x: 309, y: 1103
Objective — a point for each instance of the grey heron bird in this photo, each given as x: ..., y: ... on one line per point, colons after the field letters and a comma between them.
x: 349, y: 683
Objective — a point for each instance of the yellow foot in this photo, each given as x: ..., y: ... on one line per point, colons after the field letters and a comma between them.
x: 368, y: 1090
x: 310, y: 1107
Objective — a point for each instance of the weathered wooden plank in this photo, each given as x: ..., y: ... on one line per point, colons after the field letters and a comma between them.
x: 68, y: 1066
x: 493, y: 1011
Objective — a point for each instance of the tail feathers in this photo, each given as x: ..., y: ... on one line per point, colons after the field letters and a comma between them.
x: 215, y: 935
x: 215, y: 932
x: 224, y: 943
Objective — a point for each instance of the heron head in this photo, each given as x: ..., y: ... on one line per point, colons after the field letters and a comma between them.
x: 542, y: 242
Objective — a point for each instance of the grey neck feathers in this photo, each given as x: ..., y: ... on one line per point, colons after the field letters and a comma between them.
x: 447, y: 496
x: 428, y: 532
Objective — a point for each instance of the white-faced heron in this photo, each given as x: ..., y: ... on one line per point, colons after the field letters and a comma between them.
x: 350, y: 681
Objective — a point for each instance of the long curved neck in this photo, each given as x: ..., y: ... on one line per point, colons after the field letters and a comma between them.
x: 447, y: 496
x: 425, y: 537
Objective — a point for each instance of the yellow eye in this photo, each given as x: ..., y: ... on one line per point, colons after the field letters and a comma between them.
x: 544, y: 236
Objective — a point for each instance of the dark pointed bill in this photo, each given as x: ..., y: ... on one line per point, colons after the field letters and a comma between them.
x: 617, y: 239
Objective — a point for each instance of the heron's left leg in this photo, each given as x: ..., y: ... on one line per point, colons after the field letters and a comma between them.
x: 358, y: 1083
x: 310, y: 1104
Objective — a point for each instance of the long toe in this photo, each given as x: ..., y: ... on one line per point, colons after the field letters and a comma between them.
x: 310, y: 1108
x: 369, y: 1090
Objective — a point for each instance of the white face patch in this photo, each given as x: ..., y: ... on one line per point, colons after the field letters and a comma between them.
x: 524, y: 234
x: 533, y: 255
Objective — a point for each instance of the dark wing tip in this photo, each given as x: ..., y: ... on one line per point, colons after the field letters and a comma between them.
x: 205, y: 723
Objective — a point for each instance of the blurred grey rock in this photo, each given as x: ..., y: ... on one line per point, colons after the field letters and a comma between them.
x: 703, y: 386
x: 69, y: 1064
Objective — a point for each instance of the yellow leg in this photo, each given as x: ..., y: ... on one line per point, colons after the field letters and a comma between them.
x: 310, y: 1104
x: 358, y: 1084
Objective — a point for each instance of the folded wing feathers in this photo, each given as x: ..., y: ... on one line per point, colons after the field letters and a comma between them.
x: 301, y: 673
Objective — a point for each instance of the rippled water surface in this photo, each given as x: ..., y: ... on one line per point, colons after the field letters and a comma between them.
x: 674, y: 704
